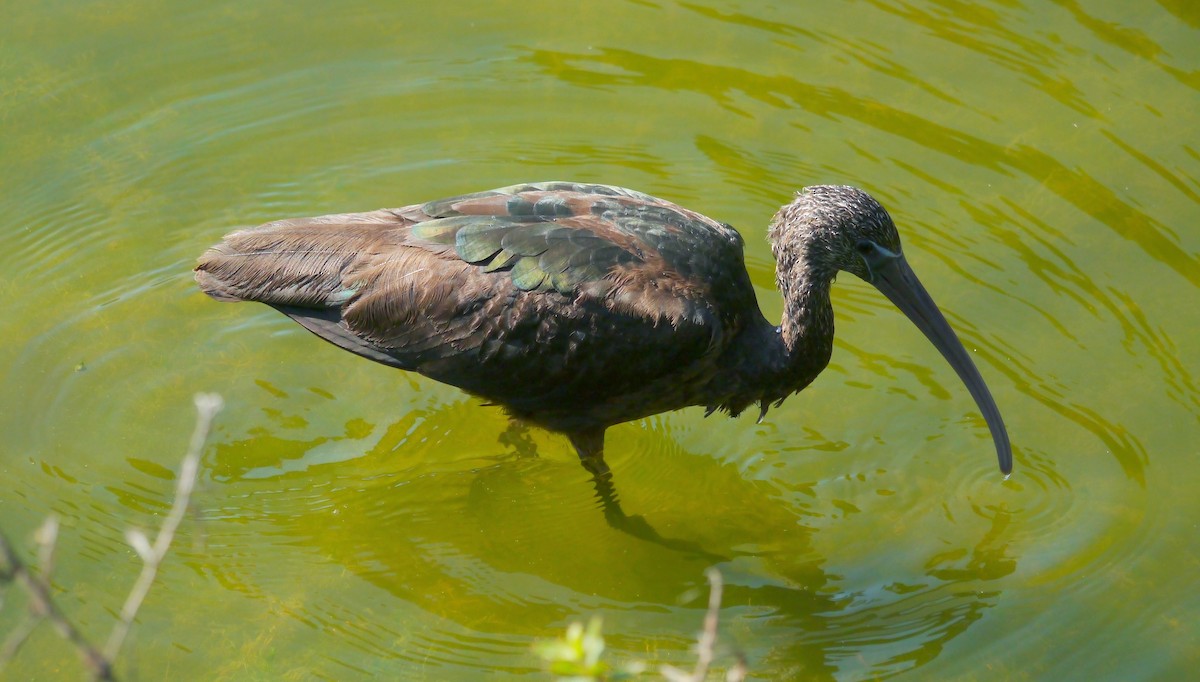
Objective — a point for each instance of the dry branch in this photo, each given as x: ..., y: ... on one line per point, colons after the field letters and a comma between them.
x: 707, y: 644
x: 41, y: 604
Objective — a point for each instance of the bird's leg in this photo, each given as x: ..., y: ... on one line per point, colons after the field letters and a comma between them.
x: 590, y: 446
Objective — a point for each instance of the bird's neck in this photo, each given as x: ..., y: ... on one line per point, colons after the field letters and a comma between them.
x: 806, y: 330
x: 769, y: 363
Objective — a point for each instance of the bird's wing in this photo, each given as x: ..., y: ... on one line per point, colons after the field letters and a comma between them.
x: 646, y: 256
x: 498, y: 273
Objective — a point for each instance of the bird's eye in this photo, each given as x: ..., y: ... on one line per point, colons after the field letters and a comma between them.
x: 864, y: 246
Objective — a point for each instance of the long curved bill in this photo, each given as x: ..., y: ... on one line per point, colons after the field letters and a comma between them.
x: 893, y: 276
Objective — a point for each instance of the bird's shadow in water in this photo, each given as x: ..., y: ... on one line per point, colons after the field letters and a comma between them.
x: 517, y: 437
x: 506, y: 543
x: 500, y: 504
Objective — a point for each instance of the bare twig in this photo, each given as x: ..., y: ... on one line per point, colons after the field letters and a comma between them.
x: 42, y: 607
x: 706, y: 647
x: 12, y: 643
x: 708, y: 639
x: 739, y: 670
x: 41, y: 604
x: 46, y: 538
x: 208, y: 405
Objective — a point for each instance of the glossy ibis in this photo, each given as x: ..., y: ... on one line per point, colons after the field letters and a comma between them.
x: 580, y: 306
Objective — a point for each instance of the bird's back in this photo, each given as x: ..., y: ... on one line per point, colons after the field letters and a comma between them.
x: 572, y: 305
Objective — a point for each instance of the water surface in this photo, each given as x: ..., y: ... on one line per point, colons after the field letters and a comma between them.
x: 1039, y: 158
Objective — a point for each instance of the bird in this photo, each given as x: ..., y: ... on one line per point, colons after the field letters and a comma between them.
x: 579, y: 306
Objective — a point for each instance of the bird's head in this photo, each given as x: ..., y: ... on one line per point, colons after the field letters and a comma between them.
x: 835, y: 227
x: 828, y: 228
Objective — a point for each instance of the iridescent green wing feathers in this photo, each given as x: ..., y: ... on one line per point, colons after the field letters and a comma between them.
x: 541, y: 256
x: 558, y: 235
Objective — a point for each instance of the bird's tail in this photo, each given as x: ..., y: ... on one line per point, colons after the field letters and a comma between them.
x: 300, y: 262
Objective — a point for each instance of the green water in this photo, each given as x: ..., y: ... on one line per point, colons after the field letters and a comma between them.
x: 1040, y: 158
